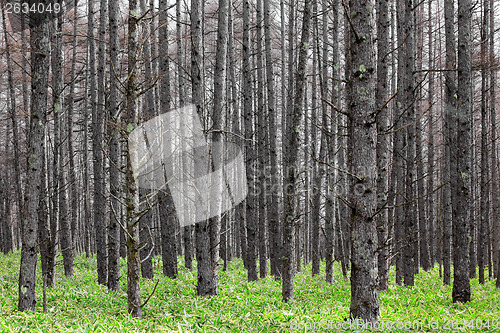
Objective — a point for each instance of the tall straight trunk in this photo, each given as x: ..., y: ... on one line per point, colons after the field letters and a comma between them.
x: 462, y: 173
x: 97, y: 146
x: 53, y: 146
x: 114, y: 151
x: 187, y: 230
x: 15, y: 127
x: 239, y: 210
x: 291, y: 139
x: 331, y: 140
x: 72, y: 181
x: 317, y: 170
x: 422, y: 246
x: 168, y: 217
x: 262, y: 135
x: 406, y: 101
x: 362, y: 141
x: 251, y: 209
x: 494, y: 153
x: 484, y: 214
x: 272, y: 195
x: 39, y: 45
x: 148, y: 112
x: 450, y: 159
x: 381, y: 100
x: 218, y: 126
x: 430, y: 141
x: 206, y: 278
x: 60, y: 148
x: 132, y: 195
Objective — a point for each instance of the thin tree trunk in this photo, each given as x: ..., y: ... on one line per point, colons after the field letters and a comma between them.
x: 381, y: 100
x: 15, y: 128
x: 450, y: 106
x: 72, y: 181
x: 430, y: 141
x: 484, y: 215
x: 114, y: 150
x: 132, y: 195
x: 494, y: 152
x: 97, y: 146
x: 272, y: 197
x: 149, y: 111
x: 251, y: 210
x: 331, y: 141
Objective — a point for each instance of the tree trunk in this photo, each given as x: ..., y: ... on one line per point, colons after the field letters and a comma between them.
x: 251, y: 209
x: 381, y: 100
x: 114, y: 151
x: 72, y: 181
x: 484, y: 215
x: 362, y: 136
x: 462, y: 173
x: 430, y: 142
x: 132, y: 195
x: 272, y: 195
x: 39, y: 42
x: 145, y: 197
x: 494, y: 152
x: 206, y: 278
x: 97, y: 146
x: 15, y: 134
x: 450, y: 159
x: 291, y: 139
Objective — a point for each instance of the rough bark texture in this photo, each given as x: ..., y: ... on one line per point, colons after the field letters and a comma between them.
x: 168, y: 218
x: 494, y: 154
x: 114, y: 151
x: 406, y: 56
x: 251, y: 200
x: 132, y: 195
x: 331, y: 142
x: 462, y: 173
x: 99, y: 206
x: 484, y: 209
x: 206, y: 279
x: 292, y: 138
x: 218, y: 127
x: 272, y: 195
x: 361, y: 152
x: 430, y: 143
x: 449, y: 133
x: 381, y: 100
x: 39, y: 42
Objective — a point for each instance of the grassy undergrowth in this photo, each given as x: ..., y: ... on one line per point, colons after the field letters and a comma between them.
x: 79, y: 304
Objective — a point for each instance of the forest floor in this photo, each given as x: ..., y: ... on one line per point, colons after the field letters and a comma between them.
x: 79, y: 304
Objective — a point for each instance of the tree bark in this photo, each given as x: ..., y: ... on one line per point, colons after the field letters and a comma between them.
x: 39, y: 42
x: 251, y: 209
x: 450, y: 159
x: 361, y: 148
x: 381, y: 100
x: 291, y: 140
x: 113, y: 130
x: 97, y: 146
x: 462, y: 173
x: 132, y: 195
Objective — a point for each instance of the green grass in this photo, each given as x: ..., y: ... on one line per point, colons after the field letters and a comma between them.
x: 79, y: 304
